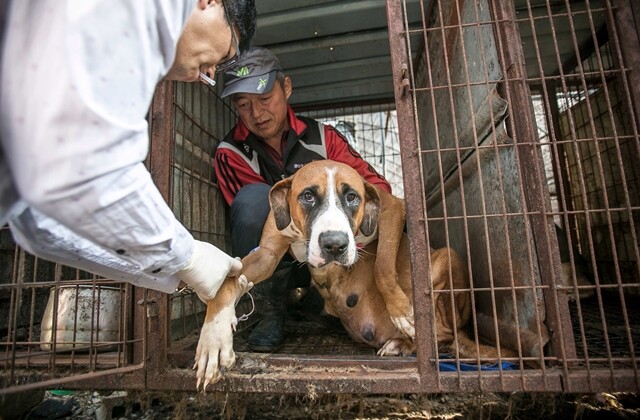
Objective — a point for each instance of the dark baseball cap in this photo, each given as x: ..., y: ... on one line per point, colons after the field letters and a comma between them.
x: 255, y: 72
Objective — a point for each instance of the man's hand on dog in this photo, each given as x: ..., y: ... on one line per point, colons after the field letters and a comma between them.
x: 208, y: 268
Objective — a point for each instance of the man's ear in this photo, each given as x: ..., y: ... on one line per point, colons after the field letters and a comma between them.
x: 202, y: 4
x: 371, y: 210
x: 287, y: 86
x: 279, y: 203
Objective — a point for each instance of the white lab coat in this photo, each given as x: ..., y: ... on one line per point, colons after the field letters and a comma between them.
x: 77, y: 81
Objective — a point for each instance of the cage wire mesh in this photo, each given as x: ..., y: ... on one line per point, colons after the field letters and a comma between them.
x: 372, y: 130
x: 590, y: 149
x: 55, y: 318
x: 201, y: 120
x: 511, y: 97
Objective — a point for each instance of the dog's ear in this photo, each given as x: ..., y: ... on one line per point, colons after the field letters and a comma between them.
x: 279, y: 204
x: 371, y: 210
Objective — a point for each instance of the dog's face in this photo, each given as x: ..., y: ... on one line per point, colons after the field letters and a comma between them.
x: 328, y: 202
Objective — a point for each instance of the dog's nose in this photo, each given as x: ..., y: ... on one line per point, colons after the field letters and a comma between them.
x: 334, y: 242
x: 368, y: 333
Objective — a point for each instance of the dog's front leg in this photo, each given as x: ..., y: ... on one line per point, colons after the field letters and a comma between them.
x: 390, y: 227
x: 215, y: 346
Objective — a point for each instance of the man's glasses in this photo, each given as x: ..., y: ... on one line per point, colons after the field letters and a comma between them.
x: 225, y: 65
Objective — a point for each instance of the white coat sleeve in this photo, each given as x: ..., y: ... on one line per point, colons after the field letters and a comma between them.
x: 77, y: 81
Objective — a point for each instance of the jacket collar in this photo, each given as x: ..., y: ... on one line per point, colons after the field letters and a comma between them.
x: 241, y: 132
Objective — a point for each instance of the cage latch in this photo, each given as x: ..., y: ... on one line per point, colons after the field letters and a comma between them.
x: 153, y: 312
x: 152, y: 309
x: 405, y: 79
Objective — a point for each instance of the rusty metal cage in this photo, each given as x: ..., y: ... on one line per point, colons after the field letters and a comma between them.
x: 514, y: 139
x: 497, y: 93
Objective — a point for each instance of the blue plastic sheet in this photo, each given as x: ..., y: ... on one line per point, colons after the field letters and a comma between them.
x: 467, y: 367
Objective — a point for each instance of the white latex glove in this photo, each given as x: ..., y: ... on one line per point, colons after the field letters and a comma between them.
x: 207, y: 270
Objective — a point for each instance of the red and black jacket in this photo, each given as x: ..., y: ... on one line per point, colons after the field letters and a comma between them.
x: 242, y: 158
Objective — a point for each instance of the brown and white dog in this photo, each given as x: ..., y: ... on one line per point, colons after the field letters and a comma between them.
x: 328, y: 216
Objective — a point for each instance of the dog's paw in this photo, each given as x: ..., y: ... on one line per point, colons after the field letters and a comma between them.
x: 405, y: 325
x: 401, y: 314
x: 397, y: 347
x: 214, y: 353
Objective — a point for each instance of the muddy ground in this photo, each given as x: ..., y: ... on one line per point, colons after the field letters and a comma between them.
x: 132, y: 405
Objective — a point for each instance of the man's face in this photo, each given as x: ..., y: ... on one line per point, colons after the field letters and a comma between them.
x: 265, y: 115
x: 205, y: 41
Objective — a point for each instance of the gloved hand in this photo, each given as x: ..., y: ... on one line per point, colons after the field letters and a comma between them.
x: 207, y: 270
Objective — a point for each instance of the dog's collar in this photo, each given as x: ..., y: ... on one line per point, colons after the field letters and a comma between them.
x: 362, y: 240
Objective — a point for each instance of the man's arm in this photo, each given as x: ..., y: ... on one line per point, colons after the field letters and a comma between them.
x: 78, y: 160
x: 233, y: 172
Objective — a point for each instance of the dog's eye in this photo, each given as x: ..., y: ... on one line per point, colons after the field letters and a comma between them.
x: 308, y: 197
x: 351, y: 198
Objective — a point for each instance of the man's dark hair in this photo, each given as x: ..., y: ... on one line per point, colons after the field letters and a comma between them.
x: 243, y: 14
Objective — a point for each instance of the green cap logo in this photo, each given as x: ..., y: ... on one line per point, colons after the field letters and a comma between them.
x: 242, y: 71
x: 262, y: 83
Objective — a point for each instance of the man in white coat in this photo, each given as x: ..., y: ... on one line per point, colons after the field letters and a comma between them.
x: 77, y: 78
